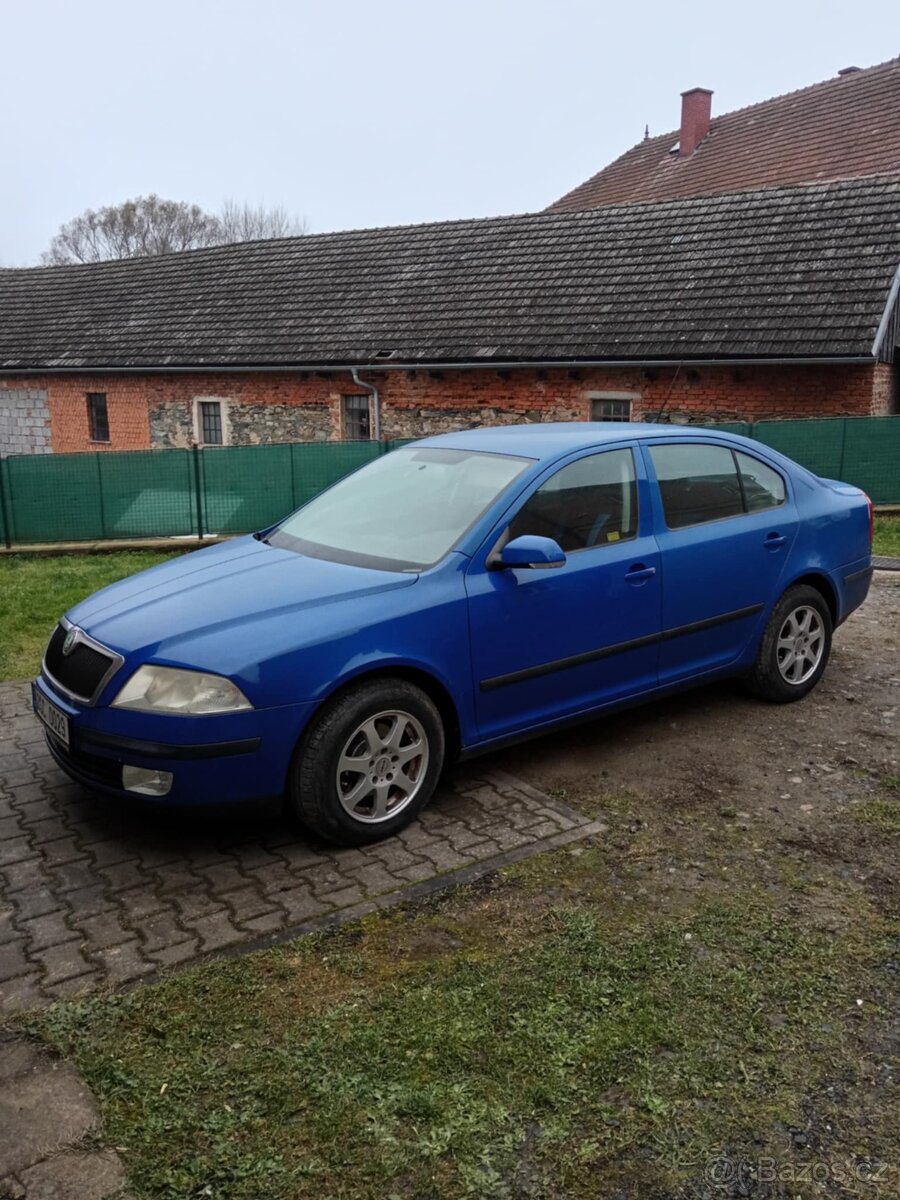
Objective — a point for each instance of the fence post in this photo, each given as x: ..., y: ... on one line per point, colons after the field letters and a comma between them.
x: 4, y: 512
x: 840, y: 473
x: 293, y: 479
x: 198, y: 490
x: 100, y: 495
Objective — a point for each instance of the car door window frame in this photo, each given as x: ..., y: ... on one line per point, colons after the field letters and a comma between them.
x: 650, y: 467
x: 737, y: 455
x: 499, y: 535
x: 632, y: 483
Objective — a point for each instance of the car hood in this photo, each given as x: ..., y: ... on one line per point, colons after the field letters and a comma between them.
x: 213, y: 593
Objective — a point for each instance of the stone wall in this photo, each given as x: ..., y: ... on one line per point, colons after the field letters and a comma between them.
x: 419, y: 402
x: 156, y: 411
x: 422, y: 421
x: 256, y: 424
x: 24, y: 420
x: 171, y: 425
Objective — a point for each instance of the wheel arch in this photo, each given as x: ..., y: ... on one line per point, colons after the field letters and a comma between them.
x: 825, y: 587
x: 430, y: 685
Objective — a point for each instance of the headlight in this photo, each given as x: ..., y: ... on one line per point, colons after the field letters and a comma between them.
x: 186, y: 693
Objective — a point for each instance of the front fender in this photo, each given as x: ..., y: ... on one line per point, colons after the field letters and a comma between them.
x: 419, y: 629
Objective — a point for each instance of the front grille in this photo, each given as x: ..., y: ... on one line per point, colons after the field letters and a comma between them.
x: 86, y: 767
x: 81, y: 671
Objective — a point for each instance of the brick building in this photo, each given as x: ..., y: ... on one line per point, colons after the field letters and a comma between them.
x: 778, y: 302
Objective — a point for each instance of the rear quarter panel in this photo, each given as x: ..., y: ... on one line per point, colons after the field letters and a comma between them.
x: 833, y: 538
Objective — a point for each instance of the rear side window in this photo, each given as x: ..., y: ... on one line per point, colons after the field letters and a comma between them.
x: 763, y: 487
x: 591, y: 502
x: 698, y: 483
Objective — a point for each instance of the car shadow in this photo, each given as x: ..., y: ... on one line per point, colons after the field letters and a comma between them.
x: 154, y: 827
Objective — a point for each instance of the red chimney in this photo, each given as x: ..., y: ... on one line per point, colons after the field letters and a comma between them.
x: 696, y: 106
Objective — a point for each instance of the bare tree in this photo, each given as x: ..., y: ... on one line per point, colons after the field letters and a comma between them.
x: 249, y: 223
x: 135, y: 229
x: 149, y: 225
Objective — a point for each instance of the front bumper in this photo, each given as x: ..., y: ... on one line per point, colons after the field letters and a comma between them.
x: 213, y: 759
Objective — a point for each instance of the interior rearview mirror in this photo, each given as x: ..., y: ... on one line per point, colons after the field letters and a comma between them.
x: 533, y: 551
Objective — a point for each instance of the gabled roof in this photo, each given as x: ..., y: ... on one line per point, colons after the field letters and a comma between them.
x: 797, y: 272
x: 844, y: 128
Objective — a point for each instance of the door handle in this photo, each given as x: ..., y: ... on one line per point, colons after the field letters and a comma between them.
x: 639, y: 572
x: 774, y: 540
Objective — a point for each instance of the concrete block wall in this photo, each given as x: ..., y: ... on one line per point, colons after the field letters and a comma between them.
x: 24, y: 420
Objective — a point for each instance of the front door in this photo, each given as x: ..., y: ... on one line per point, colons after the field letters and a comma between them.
x: 550, y: 643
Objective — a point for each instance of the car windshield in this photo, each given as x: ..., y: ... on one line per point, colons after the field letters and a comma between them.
x: 404, y: 511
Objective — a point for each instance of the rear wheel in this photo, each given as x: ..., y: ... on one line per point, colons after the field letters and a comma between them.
x: 795, y: 647
x: 369, y: 763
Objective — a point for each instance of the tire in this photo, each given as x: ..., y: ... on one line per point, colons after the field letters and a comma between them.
x: 795, y: 647
x: 392, y: 732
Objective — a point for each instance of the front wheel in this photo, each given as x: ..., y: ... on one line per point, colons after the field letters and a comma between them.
x: 369, y: 762
x: 795, y: 647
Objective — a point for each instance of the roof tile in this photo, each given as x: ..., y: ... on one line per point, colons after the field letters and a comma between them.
x: 843, y: 128
x: 801, y: 271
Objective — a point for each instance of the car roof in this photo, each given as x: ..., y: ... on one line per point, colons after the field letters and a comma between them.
x: 548, y: 441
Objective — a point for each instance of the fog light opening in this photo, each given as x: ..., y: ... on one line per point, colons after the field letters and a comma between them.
x: 146, y: 781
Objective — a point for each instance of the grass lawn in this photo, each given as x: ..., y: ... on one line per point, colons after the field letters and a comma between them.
x: 35, y: 591
x: 548, y: 1032
x: 887, y: 536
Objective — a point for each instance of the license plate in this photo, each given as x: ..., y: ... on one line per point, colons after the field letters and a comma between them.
x: 53, y: 718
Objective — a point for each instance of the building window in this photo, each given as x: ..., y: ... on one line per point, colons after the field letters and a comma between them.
x: 610, y: 410
x: 98, y: 416
x: 209, y: 422
x: 356, y: 418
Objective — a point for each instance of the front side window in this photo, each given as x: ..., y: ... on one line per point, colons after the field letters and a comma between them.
x: 698, y: 483
x: 98, y: 416
x: 404, y: 511
x: 356, y: 418
x: 763, y: 486
x: 591, y: 502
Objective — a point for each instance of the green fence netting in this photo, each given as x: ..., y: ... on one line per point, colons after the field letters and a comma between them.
x: 235, y: 489
x: 85, y: 497
x: 250, y: 487
x: 860, y: 450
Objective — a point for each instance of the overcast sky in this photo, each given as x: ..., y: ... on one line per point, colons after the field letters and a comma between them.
x: 354, y: 113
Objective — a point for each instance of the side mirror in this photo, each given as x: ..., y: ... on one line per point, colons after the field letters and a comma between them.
x: 529, y: 550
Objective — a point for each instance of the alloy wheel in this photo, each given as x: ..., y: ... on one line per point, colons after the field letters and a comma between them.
x: 382, y: 766
x: 800, y: 645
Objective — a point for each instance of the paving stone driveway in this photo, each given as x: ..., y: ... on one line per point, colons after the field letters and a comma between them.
x: 93, y: 894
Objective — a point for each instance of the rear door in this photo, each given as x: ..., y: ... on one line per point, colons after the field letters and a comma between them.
x: 725, y: 524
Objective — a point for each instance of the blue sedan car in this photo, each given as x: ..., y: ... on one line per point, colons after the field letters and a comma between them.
x: 458, y: 593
